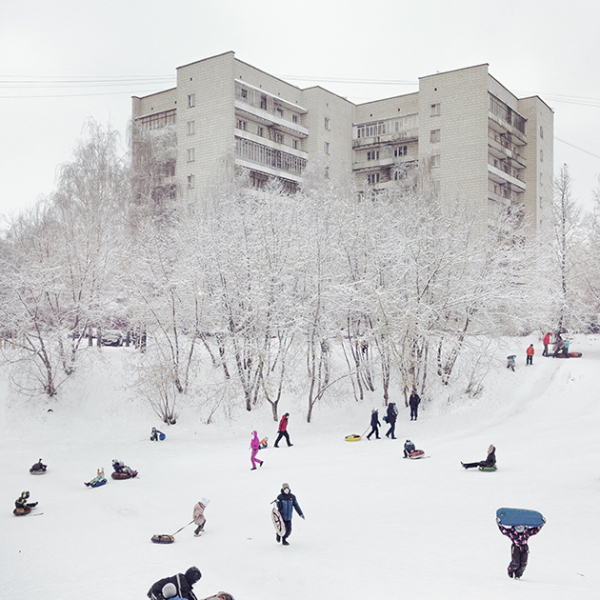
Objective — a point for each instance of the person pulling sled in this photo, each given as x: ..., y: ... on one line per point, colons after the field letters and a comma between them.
x: 181, y: 582
x: 375, y: 424
x: 199, y: 518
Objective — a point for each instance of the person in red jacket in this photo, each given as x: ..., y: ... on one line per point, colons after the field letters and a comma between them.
x: 282, y: 430
x: 546, y: 344
x: 530, y: 353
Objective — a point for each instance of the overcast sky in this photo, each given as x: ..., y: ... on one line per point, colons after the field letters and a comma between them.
x: 62, y: 62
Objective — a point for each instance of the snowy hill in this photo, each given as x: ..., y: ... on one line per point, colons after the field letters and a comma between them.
x: 377, y: 526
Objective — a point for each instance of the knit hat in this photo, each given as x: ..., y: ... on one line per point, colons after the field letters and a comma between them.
x: 285, y: 485
x: 193, y: 574
x: 169, y: 590
x: 204, y: 501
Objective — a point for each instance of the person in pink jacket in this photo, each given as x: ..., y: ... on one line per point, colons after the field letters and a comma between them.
x: 255, y: 446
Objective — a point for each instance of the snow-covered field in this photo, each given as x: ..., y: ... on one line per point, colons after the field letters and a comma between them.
x: 377, y: 526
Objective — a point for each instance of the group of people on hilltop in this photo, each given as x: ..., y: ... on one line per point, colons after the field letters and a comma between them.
x: 561, y: 350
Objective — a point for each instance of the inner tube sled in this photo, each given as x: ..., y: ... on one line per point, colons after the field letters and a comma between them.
x: 352, y: 438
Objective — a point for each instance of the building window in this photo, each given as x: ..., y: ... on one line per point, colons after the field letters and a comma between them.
x: 241, y: 124
x: 296, y: 144
x: 326, y: 172
x: 327, y: 123
x: 191, y: 182
x: 541, y: 132
x: 260, y: 131
x: 373, y: 178
x: 277, y: 137
x: 400, y: 151
x: 191, y: 127
x: 541, y: 180
x: 191, y: 154
x: 373, y: 155
x: 434, y: 161
x: 191, y: 100
x: 541, y: 156
x: 326, y: 147
x: 436, y: 110
x: 294, y: 118
x: 435, y: 136
x: 244, y: 93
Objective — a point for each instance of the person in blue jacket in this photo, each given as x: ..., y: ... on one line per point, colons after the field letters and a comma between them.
x: 286, y: 504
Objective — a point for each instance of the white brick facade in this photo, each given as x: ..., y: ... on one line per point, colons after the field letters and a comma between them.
x: 470, y: 137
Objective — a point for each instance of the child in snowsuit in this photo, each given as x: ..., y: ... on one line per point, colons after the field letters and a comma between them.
x: 392, y: 413
x: 38, y: 467
x: 511, y: 361
x: 490, y: 461
x: 519, y: 551
x: 120, y: 467
x: 21, y: 504
x: 199, y: 518
x: 155, y: 435
x: 408, y: 447
x: 282, y: 430
x: 375, y: 424
x: 183, y: 585
x: 414, y: 402
x: 286, y: 504
x: 255, y: 446
x: 98, y: 479
x: 530, y: 351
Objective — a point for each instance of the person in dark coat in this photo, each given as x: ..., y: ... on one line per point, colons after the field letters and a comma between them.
x: 282, y: 430
x: 375, y: 424
x: 391, y: 415
x: 408, y: 448
x: 22, y: 504
x: 183, y: 585
x: 286, y: 504
x: 519, y: 551
x: 414, y: 402
x: 490, y: 461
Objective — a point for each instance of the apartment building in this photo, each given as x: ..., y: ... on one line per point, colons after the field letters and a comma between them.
x: 462, y: 135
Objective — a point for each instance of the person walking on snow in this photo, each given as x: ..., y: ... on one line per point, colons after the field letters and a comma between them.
x: 510, y: 364
x: 546, y: 344
x: 530, y: 351
x: 282, y: 430
x: 392, y: 414
x: 286, y: 504
x: 255, y: 447
x: 375, y: 424
x: 414, y: 402
x: 519, y: 550
x: 199, y: 518
x: 490, y: 461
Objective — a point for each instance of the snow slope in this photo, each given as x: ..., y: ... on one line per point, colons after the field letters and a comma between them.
x: 376, y: 525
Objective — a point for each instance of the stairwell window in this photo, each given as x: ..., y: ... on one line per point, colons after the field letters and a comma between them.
x: 191, y: 182
x: 191, y: 127
x: 436, y: 110
x: 326, y: 147
x: 191, y: 154
x: 191, y: 100
x: 434, y: 161
x: 327, y: 123
x: 435, y: 136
